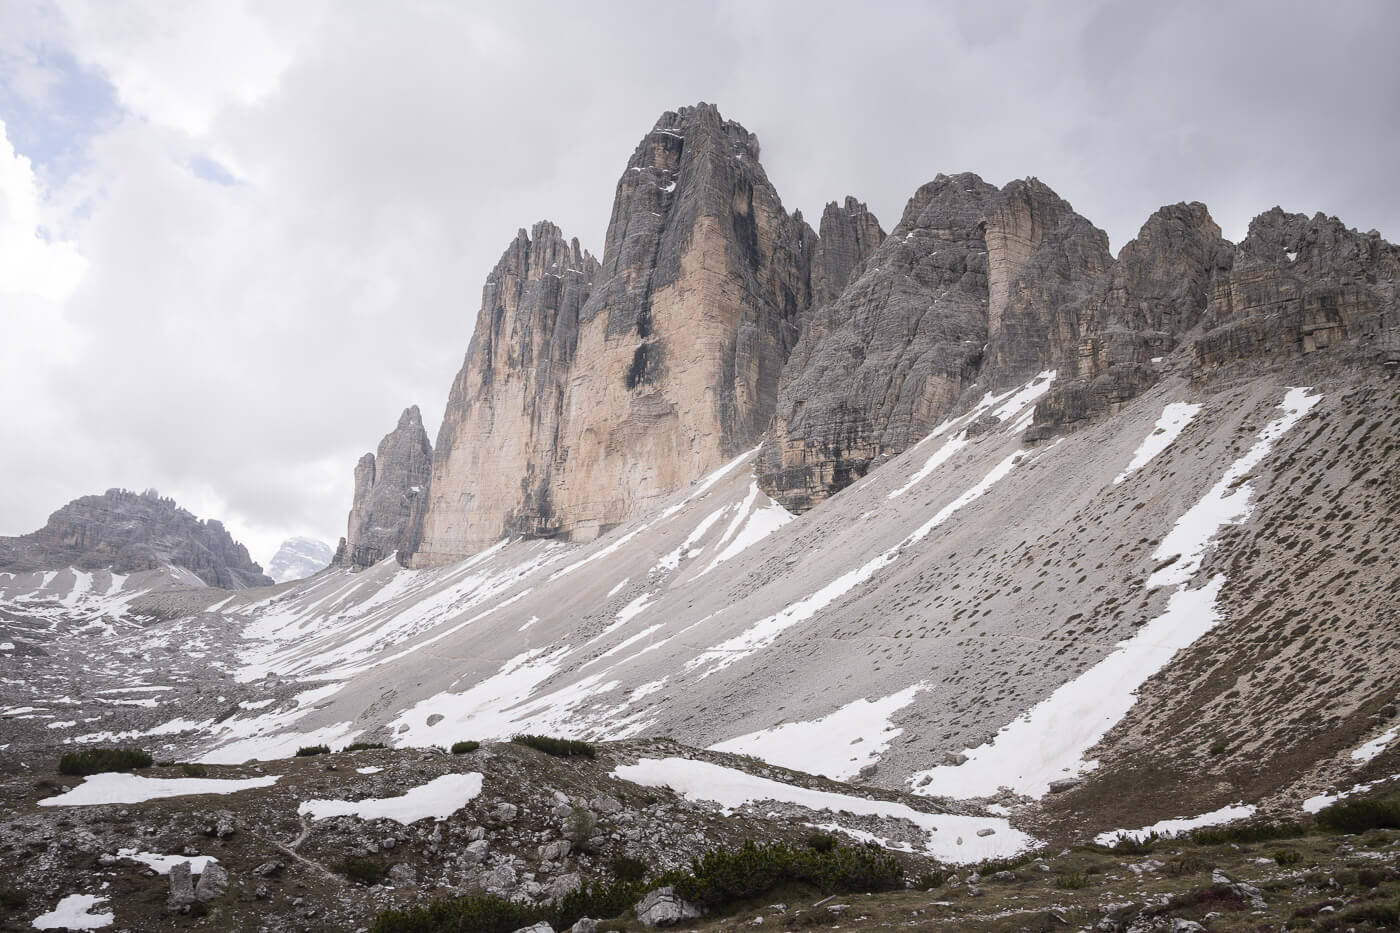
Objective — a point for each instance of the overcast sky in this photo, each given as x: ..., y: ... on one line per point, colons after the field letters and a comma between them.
x: 238, y: 238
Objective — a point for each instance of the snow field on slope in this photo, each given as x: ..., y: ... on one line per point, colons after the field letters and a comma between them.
x: 1238, y: 811
x: 1049, y: 741
x: 837, y: 746
x: 438, y: 799
x: 949, y: 838
x: 117, y: 787
x: 1175, y: 417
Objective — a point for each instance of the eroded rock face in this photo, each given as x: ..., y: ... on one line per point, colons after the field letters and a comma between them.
x: 127, y: 532
x: 849, y: 233
x: 591, y: 391
x: 499, y: 440
x: 877, y: 368
x: 1042, y: 261
x: 1156, y: 292
x: 1301, y: 284
x: 387, y: 484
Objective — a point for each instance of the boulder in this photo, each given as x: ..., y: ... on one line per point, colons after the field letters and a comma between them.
x: 181, y: 886
x: 664, y: 907
x: 213, y: 881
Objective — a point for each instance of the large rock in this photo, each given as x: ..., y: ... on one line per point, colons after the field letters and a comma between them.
x: 592, y: 392
x: 849, y: 233
x: 298, y: 558
x: 879, y: 366
x: 129, y: 532
x: 387, y: 484
x: 213, y: 881
x: 181, y: 886
x: 664, y: 907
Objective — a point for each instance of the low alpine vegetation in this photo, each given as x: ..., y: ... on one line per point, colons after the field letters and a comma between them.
x: 1358, y: 816
x: 461, y: 748
x: 563, y: 748
x: 99, y: 760
x: 726, y: 875
x: 366, y: 871
x: 306, y: 751
x: 361, y: 746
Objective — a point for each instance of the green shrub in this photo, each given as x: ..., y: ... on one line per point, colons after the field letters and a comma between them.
x: 627, y: 868
x: 1072, y: 881
x: 1373, y: 916
x: 190, y: 769
x: 366, y: 871
x: 306, y: 751
x: 361, y: 746
x: 474, y: 914
x: 1286, y: 857
x: 1358, y: 816
x: 461, y: 748
x: 726, y: 875
x: 930, y: 880
x: 563, y: 748
x: 99, y: 760
x: 1246, y: 833
x: 821, y: 842
x: 580, y: 827
x: 600, y: 901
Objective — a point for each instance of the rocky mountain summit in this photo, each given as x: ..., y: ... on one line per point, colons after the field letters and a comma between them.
x: 128, y: 532
x: 591, y: 390
x: 298, y: 558
x: 387, y: 487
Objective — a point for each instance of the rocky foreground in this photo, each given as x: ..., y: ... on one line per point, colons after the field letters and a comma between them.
x: 332, y: 841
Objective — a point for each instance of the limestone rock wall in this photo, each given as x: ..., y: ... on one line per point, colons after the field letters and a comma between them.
x: 1301, y: 284
x: 498, y: 443
x: 387, y: 485
x: 877, y: 368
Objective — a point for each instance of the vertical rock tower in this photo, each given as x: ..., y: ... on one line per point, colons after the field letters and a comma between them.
x: 386, y: 488
x: 591, y: 391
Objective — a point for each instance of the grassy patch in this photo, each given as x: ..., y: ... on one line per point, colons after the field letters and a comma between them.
x: 1246, y: 833
x: 1072, y: 881
x: 461, y: 748
x: 99, y: 760
x: 476, y: 914
x: 190, y: 769
x: 563, y: 748
x: 306, y: 751
x: 361, y: 746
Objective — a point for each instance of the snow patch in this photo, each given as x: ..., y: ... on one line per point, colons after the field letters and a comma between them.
x: 72, y: 914
x: 1175, y: 417
x: 438, y: 799
x: 1228, y: 814
x: 117, y: 787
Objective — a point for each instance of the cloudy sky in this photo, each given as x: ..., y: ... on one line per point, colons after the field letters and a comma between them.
x: 237, y: 238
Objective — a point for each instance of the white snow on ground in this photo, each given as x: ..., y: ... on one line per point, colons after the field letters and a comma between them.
x: 117, y: 787
x: 161, y: 864
x: 1227, y: 502
x: 1048, y: 742
x: 758, y: 523
x: 1175, y: 417
x: 72, y: 914
x: 766, y: 631
x: 1228, y: 814
x: 1377, y: 745
x: 620, y: 584
x: 950, y: 838
x: 1321, y: 801
x: 482, y: 711
x: 438, y: 799
x: 686, y: 548
x: 836, y: 746
x: 369, y: 769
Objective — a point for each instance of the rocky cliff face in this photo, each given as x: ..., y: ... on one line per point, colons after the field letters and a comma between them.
x: 499, y: 440
x: 1301, y: 284
x: 387, y: 485
x: 1156, y: 292
x: 590, y: 390
x: 849, y: 233
x: 128, y: 532
x: 876, y: 368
